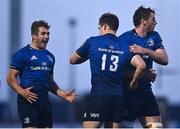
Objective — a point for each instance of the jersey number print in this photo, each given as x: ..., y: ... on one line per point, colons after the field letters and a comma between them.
x: 114, y: 64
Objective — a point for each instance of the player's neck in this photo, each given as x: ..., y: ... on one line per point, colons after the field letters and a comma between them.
x: 110, y: 32
x: 34, y: 45
x: 140, y: 32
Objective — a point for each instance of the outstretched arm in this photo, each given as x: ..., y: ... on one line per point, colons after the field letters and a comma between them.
x: 76, y: 59
x: 159, y: 55
x: 140, y: 65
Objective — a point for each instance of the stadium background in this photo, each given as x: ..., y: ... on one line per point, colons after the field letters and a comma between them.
x: 72, y: 21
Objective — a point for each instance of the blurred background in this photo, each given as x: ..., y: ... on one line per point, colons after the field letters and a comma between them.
x: 72, y: 22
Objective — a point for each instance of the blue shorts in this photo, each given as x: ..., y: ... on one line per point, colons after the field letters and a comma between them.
x: 139, y: 104
x: 104, y: 108
x: 34, y: 115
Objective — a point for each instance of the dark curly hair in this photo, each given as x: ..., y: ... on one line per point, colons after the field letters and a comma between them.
x: 142, y: 13
x: 36, y: 24
x: 110, y: 19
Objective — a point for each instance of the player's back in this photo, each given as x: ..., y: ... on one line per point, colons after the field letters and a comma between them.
x: 109, y: 57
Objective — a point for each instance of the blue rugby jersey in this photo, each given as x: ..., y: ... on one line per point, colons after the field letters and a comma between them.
x: 36, y: 68
x: 152, y: 41
x: 109, y: 56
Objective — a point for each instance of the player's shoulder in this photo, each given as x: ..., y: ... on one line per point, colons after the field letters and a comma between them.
x: 50, y: 53
x: 127, y: 34
x: 93, y: 38
x: 154, y: 33
x: 101, y: 38
x: 22, y: 53
x: 105, y: 36
x: 23, y: 50
x: 126, y: 37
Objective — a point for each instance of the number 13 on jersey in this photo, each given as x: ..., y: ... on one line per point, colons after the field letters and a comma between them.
x: 114, y: 62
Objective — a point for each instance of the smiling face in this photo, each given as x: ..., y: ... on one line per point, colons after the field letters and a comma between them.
x: 41, y: 38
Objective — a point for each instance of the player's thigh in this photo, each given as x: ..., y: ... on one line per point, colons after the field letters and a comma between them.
x: 114, y: 111
x: 146, y: 105
x: 104, y: 108
x: 129, y: 110
x: 45, y: 116
x: 45, y: 119
x: 129, y: 116
x: 117, y: 112
x: 28, y: 113
x: 152, y: 105
x: 93, y: 109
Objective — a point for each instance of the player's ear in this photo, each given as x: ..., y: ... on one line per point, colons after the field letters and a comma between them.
x: 143, y: 22
x: 34, y: 36
x: 105, y: 26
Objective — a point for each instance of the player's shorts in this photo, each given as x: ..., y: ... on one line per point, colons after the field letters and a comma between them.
x: 104, y: 108
x: 33, y: 115
x: 139, y: 104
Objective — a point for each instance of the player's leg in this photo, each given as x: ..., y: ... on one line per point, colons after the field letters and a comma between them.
x: 129, y: 108
x: 116, y: 112
x: 91, y: 124
x: 129, y: 115
x: 151, y: 122
x: 93, y: 113
x: 124, y: 113
x: 27, y: 112
x: 45, y: 117
x: 102, y: 109
x: 150, y: 115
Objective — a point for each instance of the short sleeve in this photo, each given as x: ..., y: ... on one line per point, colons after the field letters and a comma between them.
x: 18, y: 61
x: 83, y: 50
x: 158, y: 42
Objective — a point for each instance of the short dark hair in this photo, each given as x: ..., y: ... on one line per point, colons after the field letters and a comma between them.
x: 142, y: 13
x: 110, y: 19
x: 36, y: 24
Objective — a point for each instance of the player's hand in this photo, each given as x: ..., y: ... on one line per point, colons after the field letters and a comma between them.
x: 28, y: 95
x: 70, y: 96
x: 137, y: 49
x: 133, y: 85
x: 150, y: 75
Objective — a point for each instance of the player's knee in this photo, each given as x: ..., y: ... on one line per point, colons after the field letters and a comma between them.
x: 154, y: 125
